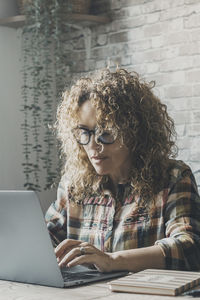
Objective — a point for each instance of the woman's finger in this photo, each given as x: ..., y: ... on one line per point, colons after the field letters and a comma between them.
x: 75, y: 252
x: 66, y: 245
x: 83, y: 259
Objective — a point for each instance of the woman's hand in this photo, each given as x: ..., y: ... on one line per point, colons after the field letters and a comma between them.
x: 75, y: 252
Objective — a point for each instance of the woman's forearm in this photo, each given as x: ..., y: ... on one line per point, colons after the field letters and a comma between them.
x: 138, y: 259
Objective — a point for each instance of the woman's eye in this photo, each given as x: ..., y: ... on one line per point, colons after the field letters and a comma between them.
x: 84, y: 132
x: 106, y: 134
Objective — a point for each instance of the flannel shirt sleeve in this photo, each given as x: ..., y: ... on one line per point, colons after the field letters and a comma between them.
x: 181, y: 247
x: 56, y: 216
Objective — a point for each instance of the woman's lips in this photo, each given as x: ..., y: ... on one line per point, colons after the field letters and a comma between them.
x: 98, y: 159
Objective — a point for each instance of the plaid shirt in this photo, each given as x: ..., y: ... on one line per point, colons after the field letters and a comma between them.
x: 120, y: 224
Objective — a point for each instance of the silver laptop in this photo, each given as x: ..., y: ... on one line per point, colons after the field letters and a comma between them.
x: 26, y: 250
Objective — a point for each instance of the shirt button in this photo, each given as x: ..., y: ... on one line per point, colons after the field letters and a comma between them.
x: 110, y: 228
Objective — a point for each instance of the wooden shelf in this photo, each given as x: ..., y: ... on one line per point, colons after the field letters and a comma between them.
x: 14, y: 22
x: 85, y: 20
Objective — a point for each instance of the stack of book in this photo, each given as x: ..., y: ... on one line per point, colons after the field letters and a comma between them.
x: 156, y: 281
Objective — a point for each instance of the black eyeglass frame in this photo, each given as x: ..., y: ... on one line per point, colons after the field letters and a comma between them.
x: 98, y: 138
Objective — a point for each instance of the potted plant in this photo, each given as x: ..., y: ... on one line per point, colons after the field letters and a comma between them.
x: 45, y: 68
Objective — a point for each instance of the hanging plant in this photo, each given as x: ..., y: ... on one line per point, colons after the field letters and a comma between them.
x: 45, y: 67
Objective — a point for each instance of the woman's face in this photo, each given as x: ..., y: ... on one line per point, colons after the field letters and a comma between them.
x: 107, y: 159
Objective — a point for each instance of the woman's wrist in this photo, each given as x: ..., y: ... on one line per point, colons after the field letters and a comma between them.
x: 116, y: 261
x: 135, y: 260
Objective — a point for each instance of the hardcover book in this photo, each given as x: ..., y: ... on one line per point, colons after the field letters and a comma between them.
x: 156, y: 281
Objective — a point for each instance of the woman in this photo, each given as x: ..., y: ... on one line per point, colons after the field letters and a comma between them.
x: 123, y: 203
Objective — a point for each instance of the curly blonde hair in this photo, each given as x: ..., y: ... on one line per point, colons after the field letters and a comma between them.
x: 128, y: 104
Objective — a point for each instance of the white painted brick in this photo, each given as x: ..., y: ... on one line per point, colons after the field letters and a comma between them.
x: 194, y: 35
x: 135, y: 22
x: 192, y: 21
x: 152, y: 68
x: 152, y: 55
x: 132, y: 2
x: 195, y: 166
x: 158, y: 92
x: 119, y: 49
x: 140, y: 45
x: 177, y: 37
x: 177, y: 77
x: 79, y: 43
x: 120, y: 61
x: 139, y: 68
x: 170, y: 52
x: 193, y: 76
x: 195, y: 103
x: 101, y: 64
x: 184, y: 143
x: 174, y: 13
x: 102, y: 39
x: 181, y: 117
x: 135, y: 10
x: 191, y: 2
x: 157, y: 41
x: 175, y: 25
x: 196, y: 60
x: 181, y: 130
x: 89, y: 65
x: 154, y: 29
x: 136, y: 34
x: 189, y: 48
x: 115, y: 62
x: 179, y: 104
x: 123, y: 13
x: 75, y: 56
x: 184, y: 154
x: 116, y: 25
x: 155, y: 6
x: 195, y: 116
x: 178, y: 91
x: 68, y: 47
x: 179, y: 63
x: 197, y: 178
x: 152, y: 18
x: 195, y: 149
x: 137, y: 58
x: 103, y: 29
x: 125, y: 60
x: 101, y: 52
x: 193, y: 130
x: 160, y: 79
x: 118, y: 37
x: 196, y: 91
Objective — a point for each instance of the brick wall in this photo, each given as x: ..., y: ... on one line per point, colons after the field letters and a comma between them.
x: 161, y: 41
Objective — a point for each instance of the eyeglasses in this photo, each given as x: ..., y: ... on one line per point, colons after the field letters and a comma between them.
x: 83, y: 135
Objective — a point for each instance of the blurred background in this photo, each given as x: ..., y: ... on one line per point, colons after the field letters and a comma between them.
x: 158, y: 39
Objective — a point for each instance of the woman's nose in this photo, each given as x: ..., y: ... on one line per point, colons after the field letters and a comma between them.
x: 93, y: 144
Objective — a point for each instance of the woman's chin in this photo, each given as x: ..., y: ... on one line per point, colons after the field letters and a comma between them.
x: 100, y: 171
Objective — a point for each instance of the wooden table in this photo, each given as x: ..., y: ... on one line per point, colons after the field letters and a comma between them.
x: 19, y: 291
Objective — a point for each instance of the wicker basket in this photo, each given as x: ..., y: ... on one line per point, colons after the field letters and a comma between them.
x: 75, y: 6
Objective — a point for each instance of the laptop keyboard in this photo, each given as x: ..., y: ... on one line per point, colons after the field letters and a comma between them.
x: 69, y: 276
